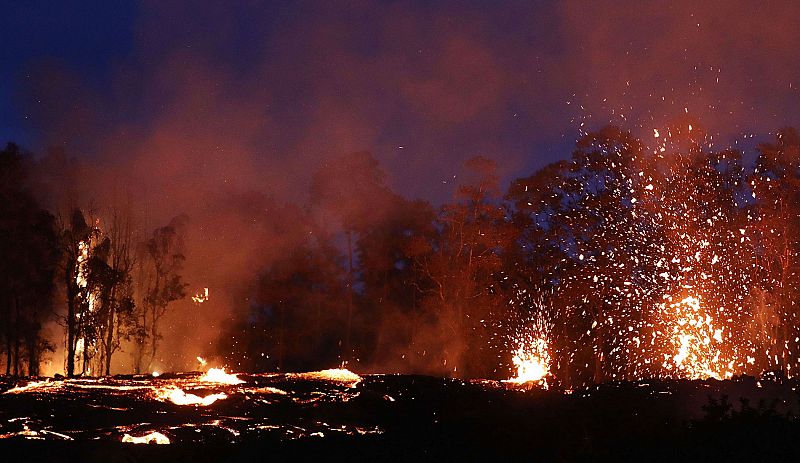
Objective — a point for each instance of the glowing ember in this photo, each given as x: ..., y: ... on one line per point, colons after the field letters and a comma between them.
x: 200, y: 297
x: 177, y: 396
x: 333, y: 375
x: 218, y: 375
x: 154, y: 437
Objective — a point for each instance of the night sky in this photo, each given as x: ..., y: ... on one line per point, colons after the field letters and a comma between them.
x: 190, y: 104
x: 443, y: 80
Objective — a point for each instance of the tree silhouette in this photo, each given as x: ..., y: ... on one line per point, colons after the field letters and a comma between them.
x: 352, y: 189
x: 161, y: 260
x: 463, y: 262
x: 28, y: 261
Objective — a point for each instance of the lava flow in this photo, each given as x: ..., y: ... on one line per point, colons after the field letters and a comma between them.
x: 178, y: 396
x: 218, y: 375
x: 242, y: 408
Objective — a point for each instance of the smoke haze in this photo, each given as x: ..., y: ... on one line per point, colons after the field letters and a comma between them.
x: 224, y: 112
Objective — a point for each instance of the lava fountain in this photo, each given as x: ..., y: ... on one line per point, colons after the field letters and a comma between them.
x: 695, y: 342
x: 532, y: 357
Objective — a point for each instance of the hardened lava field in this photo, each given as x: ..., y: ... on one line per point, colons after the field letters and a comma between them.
x: 217, y: 416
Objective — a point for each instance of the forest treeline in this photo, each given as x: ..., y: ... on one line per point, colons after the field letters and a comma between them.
x: 101, y: 285
x: 598, y: 248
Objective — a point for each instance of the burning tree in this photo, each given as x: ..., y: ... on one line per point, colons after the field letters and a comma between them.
x: 74, y: 241
x: 99, y: 292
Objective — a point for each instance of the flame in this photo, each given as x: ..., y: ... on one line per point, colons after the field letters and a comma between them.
x: 200, y: 296
x: 218, y: 375
x: 153, y: 437
x: 178, y: 396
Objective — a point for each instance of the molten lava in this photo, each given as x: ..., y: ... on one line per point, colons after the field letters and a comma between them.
x: 334, y: 375
x: 532, y: 362
x: 532, y: 356
x: 218, y: 375
x: 154, y: 437
x: 696, y: 342
x: 200, y: 296
x: 178, y: 396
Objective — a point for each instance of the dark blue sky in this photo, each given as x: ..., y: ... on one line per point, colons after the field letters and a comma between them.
x: 83, y: 35
x: 279, y: 87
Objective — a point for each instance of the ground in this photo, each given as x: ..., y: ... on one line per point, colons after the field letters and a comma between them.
x: 389, y: 417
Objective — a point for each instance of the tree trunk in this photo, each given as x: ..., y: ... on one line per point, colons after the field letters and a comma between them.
x: 281, y: 337
x: 33, y: 359
x: 32, y: 342
x: 109, y: 341
x: 70, y: 321
x: 17, y: 331
x: 8, y: 346
x: 153, y: 337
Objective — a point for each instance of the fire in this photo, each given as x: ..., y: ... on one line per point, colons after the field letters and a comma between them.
x: 218, y: 375
x: 695, y: 341
x: 154, y: 437
x: 178, y: 396
x: 200, y: 296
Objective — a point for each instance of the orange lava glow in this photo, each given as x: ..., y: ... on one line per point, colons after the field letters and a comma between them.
x: 532, y: 362
x: 218, y: 376
x: 154, y: 437
x: 178, y: 396
x: 695, y: 341
x: 334, y: 375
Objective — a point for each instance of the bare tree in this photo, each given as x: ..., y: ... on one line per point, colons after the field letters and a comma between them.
x: 160, y: 284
